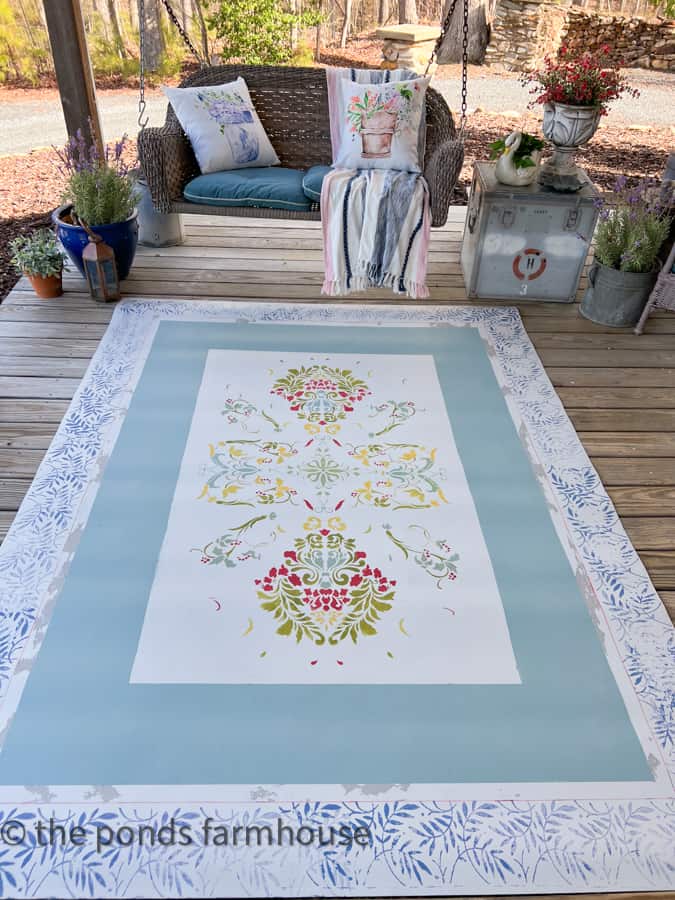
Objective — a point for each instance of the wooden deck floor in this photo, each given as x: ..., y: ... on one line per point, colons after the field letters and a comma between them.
x: 619, y: 390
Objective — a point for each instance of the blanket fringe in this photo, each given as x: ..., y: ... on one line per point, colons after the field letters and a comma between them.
x: 339, y: 287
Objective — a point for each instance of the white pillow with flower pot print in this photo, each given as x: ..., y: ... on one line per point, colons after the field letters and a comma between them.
x: 223, y: 126
x: 381, y: 125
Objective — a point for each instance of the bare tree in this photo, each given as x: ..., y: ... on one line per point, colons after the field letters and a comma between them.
x: 154, y: 38
x: 132, y: 12
x: 101, y: 12
x: 383, y: 12
x: 346, y: 23
x: 407, y: 12
x: 203, y: 33
x: 451, y: 49
x: 116, y: 27
x: 317, y: 45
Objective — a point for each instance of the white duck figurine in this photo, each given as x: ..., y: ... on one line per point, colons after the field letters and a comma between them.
x: 506, y: 171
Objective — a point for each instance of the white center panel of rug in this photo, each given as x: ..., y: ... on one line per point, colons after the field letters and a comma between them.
x: 322, y: 531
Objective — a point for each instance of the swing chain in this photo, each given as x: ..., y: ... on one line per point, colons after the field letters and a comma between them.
x: 183, y: 33
x: 143, y: 119
x: 445, y: 28
x: 465, y: 63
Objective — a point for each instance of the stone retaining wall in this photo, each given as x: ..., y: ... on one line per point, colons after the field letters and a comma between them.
x: 525, y: 31
x: 633, y: 42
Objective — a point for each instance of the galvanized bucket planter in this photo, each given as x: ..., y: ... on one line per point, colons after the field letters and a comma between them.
x: 616, y: 298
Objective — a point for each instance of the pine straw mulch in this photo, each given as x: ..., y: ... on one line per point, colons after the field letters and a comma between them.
x: 30, y: 184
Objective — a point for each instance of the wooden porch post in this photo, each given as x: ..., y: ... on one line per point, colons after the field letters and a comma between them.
x: 74, y: 74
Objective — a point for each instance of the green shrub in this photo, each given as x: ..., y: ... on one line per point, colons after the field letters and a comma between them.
x: 37, y: 254
x: 258, y: 32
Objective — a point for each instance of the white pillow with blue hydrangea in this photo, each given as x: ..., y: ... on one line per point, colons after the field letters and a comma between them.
x: 223, y: 126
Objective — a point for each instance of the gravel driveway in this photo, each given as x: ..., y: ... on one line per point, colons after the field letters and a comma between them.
x: 505, y: 93
x: 33, y: 119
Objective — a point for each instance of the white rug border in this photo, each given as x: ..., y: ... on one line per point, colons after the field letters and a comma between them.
x: 38, y: 549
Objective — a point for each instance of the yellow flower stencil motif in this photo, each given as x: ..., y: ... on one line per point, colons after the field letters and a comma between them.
x: 412, y: 476
x: 246, y: 473
x: 317, y: 429
x: 333, y: 523
x: 281, y: 489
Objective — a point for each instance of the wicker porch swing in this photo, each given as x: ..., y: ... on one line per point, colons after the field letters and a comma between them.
x: 278, y: 92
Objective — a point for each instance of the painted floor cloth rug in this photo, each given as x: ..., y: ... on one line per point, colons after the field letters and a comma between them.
x: 313, y: 600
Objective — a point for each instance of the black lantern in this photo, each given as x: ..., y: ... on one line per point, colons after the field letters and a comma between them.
x: 100, y: 268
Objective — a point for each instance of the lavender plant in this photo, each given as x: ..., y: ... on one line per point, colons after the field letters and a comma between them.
x: 633, y: 224
x: 101, y: 189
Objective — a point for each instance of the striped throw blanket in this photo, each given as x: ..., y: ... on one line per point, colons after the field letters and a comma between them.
x: 376, y: 222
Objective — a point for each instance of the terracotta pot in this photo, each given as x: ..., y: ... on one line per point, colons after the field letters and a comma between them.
x: 47, y: 286
x: 377, y: 133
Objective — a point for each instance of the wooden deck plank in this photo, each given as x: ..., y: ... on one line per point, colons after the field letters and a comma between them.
x: 38, y: 388
x: 643, y: 500
x: 26, y: 436
x: 648, y: 471
x: 12, y: 492
x: 60, y: 348
x: 661, y: 568
x: 622, y: 398
x: 32, y: 411
x: 630, y: 445
x: 622, y: 419
x: 19, y: 464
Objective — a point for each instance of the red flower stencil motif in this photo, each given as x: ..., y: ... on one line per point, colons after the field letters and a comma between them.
x: 325, y: 589
x: 321, y: 394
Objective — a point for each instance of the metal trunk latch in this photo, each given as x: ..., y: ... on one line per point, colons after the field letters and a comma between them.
x: 473, y: 212
x: 572, y: 219
x: 508, y: 217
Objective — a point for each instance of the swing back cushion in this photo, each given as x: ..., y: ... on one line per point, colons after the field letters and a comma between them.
x: 223, y: 127
x: 382, y: 125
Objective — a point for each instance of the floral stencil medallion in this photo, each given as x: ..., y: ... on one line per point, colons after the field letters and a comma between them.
x: 325, y: 589
x: 320, y: 394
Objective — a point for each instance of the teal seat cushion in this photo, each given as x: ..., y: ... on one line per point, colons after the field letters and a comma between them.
x: 271, y: 187
x: 311, y: 183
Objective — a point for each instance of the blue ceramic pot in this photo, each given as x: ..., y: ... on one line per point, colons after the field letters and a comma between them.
x: 122, y: 237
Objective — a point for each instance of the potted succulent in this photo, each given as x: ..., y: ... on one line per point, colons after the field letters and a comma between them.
x: 633, y: 224
x: 39, y: 257
x: 575, y: 92
x: 100, y: 192
x: 518, y: 157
